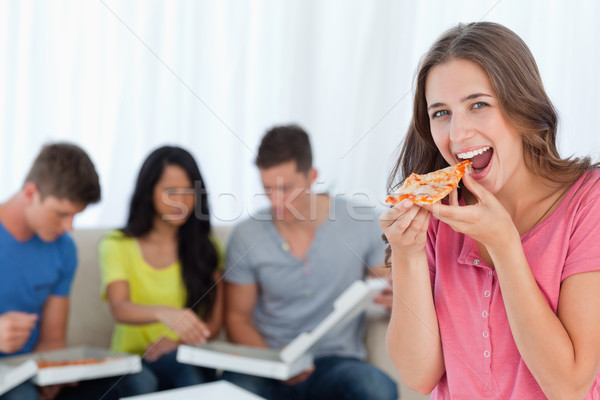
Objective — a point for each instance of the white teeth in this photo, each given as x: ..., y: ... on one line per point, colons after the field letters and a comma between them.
x: 470, y: 154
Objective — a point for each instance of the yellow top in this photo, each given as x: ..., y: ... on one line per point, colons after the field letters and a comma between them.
x: 121, y: 260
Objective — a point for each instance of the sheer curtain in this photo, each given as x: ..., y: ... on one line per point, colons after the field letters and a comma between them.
x: 123, y: 77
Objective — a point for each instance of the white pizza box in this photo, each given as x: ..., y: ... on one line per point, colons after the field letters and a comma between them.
x: 219, y: 390
x: 112, y: 365
x: 12, y: 375
x: 281, y: 364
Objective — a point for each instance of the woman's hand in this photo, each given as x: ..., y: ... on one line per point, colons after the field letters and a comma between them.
x: 162, y: 346
x: 405, y: 227
x: 486, y: 221
x: 185, y: 323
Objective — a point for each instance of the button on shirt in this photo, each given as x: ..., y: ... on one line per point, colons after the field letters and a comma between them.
x: 480, y: 355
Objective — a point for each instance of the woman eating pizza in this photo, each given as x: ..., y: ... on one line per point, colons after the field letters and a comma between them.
x: 496, y: 288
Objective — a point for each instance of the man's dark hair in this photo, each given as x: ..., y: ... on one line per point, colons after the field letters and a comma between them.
x: 282, y: 144
x: 65, y: 171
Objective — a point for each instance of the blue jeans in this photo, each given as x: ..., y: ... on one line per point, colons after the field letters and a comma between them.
x: 105, y: 389
x: 167, y: 373
x: 333, y: 378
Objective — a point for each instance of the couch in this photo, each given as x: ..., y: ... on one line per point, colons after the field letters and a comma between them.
x: 91, y: 324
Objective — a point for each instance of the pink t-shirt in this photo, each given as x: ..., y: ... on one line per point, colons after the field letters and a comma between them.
x: 480, y: 355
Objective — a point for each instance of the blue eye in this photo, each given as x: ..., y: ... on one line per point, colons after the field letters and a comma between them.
x: 480, y: 104
x: 438, y: 114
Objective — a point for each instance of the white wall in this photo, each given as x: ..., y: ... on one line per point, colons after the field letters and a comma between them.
x: 123, y: 77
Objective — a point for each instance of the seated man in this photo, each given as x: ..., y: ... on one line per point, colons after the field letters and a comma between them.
x: 38, y: 260
x: 287, y: 265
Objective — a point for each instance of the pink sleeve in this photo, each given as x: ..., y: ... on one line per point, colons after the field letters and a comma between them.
x: 584, y: 252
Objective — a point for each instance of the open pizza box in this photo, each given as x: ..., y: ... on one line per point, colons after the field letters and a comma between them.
x: 78, y: 364
x: 294, y: 358
x: 12, y: 375
x: 219, y: 390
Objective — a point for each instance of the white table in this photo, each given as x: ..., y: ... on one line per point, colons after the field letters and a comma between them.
x: 218, y: 390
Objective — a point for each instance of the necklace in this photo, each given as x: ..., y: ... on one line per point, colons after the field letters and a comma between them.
x: 562, y: 194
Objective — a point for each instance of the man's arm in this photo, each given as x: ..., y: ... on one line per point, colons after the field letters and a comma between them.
x: 240, y: 301
x: 53, y: 324
x: 53, y: 335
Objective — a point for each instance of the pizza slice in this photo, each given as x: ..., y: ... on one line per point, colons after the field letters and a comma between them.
x: 68, y: 363
x: 431, y: 187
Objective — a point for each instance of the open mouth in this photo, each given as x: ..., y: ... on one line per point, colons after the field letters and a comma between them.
x: 480, y: 158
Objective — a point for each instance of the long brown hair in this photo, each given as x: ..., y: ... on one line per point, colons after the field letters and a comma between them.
x: 197, y: 254
x: 516, y: 81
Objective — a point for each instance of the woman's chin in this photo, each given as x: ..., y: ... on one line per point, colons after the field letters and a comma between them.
x: 175, y: 219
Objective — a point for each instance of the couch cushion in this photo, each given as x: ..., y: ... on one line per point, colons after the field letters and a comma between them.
x: 90, y: 320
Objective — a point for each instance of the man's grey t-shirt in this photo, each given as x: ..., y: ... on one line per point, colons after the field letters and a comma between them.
x: 294, y: 295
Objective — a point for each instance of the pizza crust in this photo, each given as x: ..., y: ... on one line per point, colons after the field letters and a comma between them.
x: 66, y: 363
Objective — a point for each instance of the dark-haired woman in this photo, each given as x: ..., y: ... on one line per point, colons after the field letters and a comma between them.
x: 160, y: 271
x: 496, y: 291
